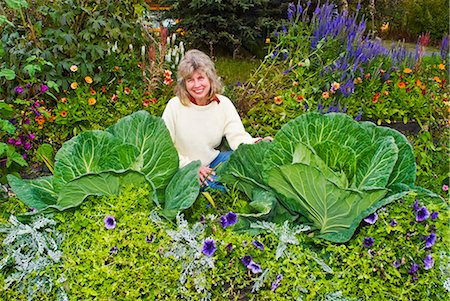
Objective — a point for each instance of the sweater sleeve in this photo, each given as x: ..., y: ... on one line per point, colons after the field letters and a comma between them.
x: 169, y: 119
x: 234, y: 130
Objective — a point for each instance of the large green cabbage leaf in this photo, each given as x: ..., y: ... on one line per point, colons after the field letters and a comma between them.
x: 35, y: 193
x: 157, y: 157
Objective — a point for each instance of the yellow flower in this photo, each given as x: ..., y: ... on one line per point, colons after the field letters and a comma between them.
x: 88, y: 79
x: 92, y: 101
x: 74, y: 68
x: 441, y: 66
x: 407, y: 70
x: 74, y: 85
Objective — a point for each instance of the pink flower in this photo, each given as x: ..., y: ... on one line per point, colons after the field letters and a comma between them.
x: 445, y: 187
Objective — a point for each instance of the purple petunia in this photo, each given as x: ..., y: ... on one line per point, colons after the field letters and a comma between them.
x: 228, y: 220
x: 110, y: 222
x: 428, y: 262
x: 416, y: 205
x: 229, y: 246
x: 396, y: 264
x: 18, y: 89
x: 276, y: 283
x: 223, y: 221
x: 414, y: 268
x: 258, y: 245
x: 430, y: 240
x: 254, y: 267
x: 434, y: 215
x: 393, y: 222
x: 371, y: 219
x: 114, y: 250
x: 246, y: 260
x: 422, y: 214
x: 209, y: 247
x: 368, y: 241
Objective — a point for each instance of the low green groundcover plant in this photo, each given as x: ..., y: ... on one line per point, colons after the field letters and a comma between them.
x: 115, y: 249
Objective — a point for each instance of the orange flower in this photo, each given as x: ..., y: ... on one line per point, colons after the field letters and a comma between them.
x: 40, y: 119
x: 88, y: 79
x: 277, y: 100
x: 167, y: 73
x: 367, y: 76
x: 418, y: 82
x: 63, y: 113
x: 126, y: 90
x: 401, y: 85
x: 441, y: 66
x: 114, y: 98
x: 292, y: 94
x: 422, y: 87
x: 119, y: 81
x: 52, y: 118
x: 63, y: 100
x: 407, y: 70
x: 74, y: 85
x: 103, y: 89
x: 146, y: 102
x: 154, y: 100
x: 386, y: 93
x: 294, y: 83
x: 336, y: 85
x: 299, y: 98
x: 92, y: 91
x: 168, y: 81
x: 357, y: 80
x: 437, y: 79
x: 325, y: 95
x: 92, y: 101
x: 74, y: 68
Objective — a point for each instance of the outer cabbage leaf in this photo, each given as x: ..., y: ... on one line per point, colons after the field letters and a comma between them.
x: 157, y: 157
x: 37, y: 193
x: 106, y: 183
x: 331, y: 209
x: 92, y: 152
x: 182, y: 190
x: 243, y: 169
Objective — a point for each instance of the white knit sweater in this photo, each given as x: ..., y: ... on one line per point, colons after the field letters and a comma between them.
x: 197, y: 130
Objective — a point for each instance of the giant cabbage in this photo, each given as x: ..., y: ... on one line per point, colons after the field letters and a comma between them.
x: 137, y: 149
x: 329, y: 169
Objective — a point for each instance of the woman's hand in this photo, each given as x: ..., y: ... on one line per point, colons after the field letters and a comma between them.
x: 268, y: 138
x: 205, y: 173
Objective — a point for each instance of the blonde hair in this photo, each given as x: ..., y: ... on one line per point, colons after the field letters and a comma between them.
x: 195, y: 60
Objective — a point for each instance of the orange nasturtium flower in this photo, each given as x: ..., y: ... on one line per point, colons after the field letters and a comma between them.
x: 336, y: 85
x: 418, y: 82
x: 407, y: 70
x: 441, y: 66
x: 126, y: 90
x: 325, y: 95
x: 437, y: 79
x: 74, y: 85
x: 92, y: 101
x: 63, y: 113
x: 88, y: 79
x: 277, y: 100
x: 63, y: 100
x: 401, y: 85
x: 74, y: 68
x: 146, y: 102
x: 92, y: 91
x: 299, y: 98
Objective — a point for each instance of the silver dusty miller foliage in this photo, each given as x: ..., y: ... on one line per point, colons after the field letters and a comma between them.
x: 28, y: 251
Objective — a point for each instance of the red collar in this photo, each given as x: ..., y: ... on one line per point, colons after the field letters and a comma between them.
x: 215, y: 98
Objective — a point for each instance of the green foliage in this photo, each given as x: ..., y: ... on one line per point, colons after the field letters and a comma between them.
x: 29, y: 253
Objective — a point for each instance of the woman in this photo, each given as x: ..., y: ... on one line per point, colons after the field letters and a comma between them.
x: 199, y: 116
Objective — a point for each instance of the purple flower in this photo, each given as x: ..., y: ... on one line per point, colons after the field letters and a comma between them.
x: 372, y: 253
x: 246, y: 260
x: 229, y: 247
x: 254, y: 267
x: 18, y: 89
x: 258, y: 244
x: 359, y: 116
x: 31, y: 136
x: 416, y: 205
x: 306, y: 106
x: 393, y: 222
x: 434, y: 215
x: 422, y: 214
x: 114, y: 250
x: 202, y: 219
x: 110, y: 222
x: 371, y: 219
x: 430, y: 240
x: 44, y: 88
x: 428, y: 262
x: 27, y: 145
x: 18, y: 142
x: 209, y: 247
x: 12, y: 141
x: 396, y: 264
x: 223, y: 221
x: 150, y: 239
x: 414, y: 268
x: 368, y: 241
x: 231, y: 218
x: 24, y: 156
x: 276, y: 283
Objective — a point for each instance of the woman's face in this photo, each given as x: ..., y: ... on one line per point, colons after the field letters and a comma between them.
x: 198, y: 86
